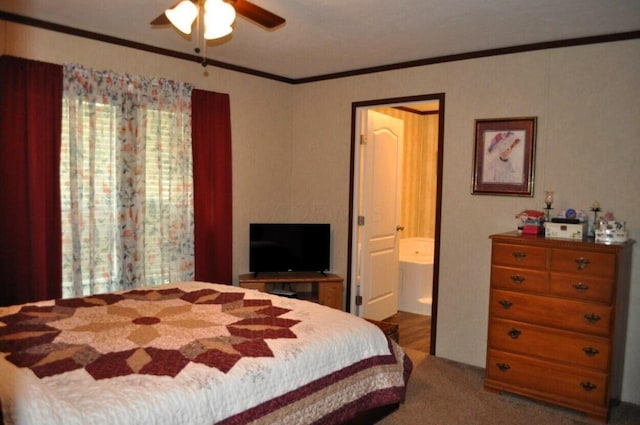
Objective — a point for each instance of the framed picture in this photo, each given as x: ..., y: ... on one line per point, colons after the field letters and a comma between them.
x: 503, y: 159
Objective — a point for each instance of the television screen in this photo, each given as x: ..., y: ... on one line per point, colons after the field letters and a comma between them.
x: 281, y: 247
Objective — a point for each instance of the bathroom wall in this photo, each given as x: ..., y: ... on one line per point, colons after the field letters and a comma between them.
x: 419, y: 172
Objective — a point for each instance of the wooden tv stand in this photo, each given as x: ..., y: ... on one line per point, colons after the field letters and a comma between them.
x: 325, y: 289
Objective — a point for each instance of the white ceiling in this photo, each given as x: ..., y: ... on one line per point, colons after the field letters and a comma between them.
x: 330, y: 36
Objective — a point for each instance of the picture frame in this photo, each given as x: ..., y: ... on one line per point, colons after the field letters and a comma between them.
x: 504, y: 156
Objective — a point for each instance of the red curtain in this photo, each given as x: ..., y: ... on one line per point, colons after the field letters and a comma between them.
x: 30, y: 228
x: 211, y: 145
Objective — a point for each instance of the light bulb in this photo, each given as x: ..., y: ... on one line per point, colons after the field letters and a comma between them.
x: 218, y: 17
x: 183, y: 15
x: 548, y: 198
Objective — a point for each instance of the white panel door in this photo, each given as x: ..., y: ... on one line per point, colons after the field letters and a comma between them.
x: 380, y: 207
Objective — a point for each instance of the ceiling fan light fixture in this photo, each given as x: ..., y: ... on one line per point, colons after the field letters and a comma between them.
x: 216, y: 32
x: 218, y: 17
x: 183, y: 15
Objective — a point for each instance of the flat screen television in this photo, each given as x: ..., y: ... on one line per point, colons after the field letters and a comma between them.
x: 289, y: 247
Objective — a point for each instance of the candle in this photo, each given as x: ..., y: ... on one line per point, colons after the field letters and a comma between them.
x: 548, y: 198
x: 595, y: 206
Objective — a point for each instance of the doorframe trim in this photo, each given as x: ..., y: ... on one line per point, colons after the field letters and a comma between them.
x: 355, y: 138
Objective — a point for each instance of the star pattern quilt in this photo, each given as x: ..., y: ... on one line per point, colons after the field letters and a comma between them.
x: 192, y: 353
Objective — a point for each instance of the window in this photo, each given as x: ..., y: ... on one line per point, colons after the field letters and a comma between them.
x: 126, y: 183
x: 93, y: 167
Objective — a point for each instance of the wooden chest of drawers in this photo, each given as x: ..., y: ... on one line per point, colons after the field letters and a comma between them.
x: 557, y: 320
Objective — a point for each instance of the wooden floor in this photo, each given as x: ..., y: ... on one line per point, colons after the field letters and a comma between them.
x: 414, y: 329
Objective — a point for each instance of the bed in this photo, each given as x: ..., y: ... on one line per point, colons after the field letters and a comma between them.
x: 193, y: 353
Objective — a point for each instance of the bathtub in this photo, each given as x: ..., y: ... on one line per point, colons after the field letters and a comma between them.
x: 416, y: 275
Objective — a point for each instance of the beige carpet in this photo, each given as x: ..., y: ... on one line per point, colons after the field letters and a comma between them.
x: 442, y: 392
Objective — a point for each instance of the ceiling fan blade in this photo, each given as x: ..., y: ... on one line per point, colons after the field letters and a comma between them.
x: 161, y: 20
x: 257, y: 14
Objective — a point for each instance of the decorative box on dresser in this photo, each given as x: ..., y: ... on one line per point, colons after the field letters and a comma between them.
x: 558, y: 320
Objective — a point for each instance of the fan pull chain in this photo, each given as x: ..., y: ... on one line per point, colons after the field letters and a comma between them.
x: 204, y: 42
x: 204, y: 53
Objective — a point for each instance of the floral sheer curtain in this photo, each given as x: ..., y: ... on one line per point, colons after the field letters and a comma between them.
x: 126, y: 182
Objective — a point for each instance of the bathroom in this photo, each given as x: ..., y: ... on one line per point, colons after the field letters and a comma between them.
x: 418, y: 206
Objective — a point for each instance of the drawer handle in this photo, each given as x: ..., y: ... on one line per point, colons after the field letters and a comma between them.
x: 519, y: 255
x: 517, y: 279
x: 582, y: 262
x: 592, y: 318
x: 590, y: 351
x: 514, y: 333
x: 580, y: 287
x: 505, y: 304
x: 503, y: 367
x: 588, y: 386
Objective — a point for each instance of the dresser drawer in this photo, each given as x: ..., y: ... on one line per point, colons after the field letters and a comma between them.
x: 549, y: 311
x: 582, y: 287
x: 549, y: 343
x: 526, y: 280
x: 583, y: 262
x: 567, y: 384
x: 519, y: 255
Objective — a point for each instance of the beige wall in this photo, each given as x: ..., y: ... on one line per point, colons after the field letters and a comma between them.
x: 291, y: 153
x: 587, y: 149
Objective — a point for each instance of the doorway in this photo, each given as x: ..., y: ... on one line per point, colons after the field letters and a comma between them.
x: 357, y: 279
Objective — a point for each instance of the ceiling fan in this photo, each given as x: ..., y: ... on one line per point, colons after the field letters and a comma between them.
x: 186, y: 11
x: 214, y: 17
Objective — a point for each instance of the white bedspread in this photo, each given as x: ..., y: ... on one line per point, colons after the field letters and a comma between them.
x: 326, y: 341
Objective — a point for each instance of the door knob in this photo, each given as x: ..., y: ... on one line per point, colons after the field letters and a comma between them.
x: 399, y: 228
